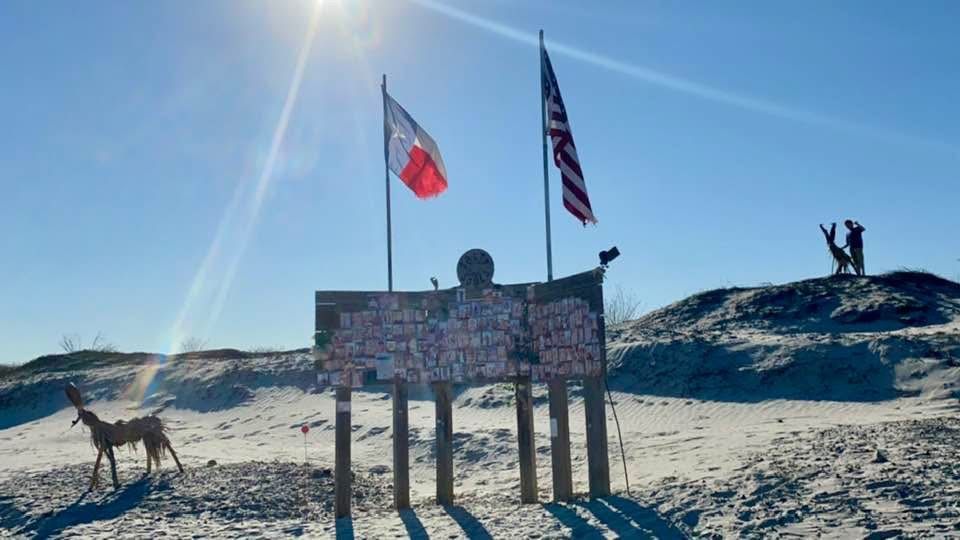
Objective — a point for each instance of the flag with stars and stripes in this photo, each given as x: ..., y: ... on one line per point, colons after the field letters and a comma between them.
x: 575, y: 198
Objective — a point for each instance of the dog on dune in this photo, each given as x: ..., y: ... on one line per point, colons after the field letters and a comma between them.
x: 840, y: 257
x: 105, y: 436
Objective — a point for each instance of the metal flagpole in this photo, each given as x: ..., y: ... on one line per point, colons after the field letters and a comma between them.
x: 386, y: 168
x: 546, y: 177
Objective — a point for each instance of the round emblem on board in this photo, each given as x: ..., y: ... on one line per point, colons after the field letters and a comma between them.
x: 475, y: 269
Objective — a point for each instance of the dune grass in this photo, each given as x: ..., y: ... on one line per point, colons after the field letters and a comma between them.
x: 7, y: 369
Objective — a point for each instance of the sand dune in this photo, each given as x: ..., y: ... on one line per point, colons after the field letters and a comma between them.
x: 742, y: 415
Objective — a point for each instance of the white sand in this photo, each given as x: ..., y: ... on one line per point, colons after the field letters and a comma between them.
x: 681, y: 453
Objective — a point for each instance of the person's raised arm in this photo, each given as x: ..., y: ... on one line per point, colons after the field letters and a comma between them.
x: 858, y: 226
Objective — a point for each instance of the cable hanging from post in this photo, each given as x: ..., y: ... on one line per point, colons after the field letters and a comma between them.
x: 623, y: 455
x: 606, y: 257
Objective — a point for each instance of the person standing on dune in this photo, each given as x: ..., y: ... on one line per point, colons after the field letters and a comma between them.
x: 855, y: 242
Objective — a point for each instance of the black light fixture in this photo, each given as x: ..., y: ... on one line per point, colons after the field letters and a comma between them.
x: 606, y: 257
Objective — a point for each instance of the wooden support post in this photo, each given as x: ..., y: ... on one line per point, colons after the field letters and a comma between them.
x: 560, y: 440
x: 444, y: 403
x: 401, y: 447
x: 342, y: 480
x: 598, y: 463
x: 528, y: 448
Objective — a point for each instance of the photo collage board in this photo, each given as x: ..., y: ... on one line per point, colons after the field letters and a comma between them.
x: 544, y: 330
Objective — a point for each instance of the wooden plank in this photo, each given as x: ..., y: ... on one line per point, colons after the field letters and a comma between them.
x: 401, y: 446
x: 342, y: 485
x: 598, y: 463
x: 444, y: 407
x: 525, y: 440
x: 560, y: 440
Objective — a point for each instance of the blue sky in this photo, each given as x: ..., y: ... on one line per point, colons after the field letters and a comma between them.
x: 159, y: 179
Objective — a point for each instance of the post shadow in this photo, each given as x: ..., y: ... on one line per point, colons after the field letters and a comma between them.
x: 623, y: 517
x: 415, y: 528
x: 645, y: 517
x: 630, y: 520
x: 472, y: 528
x: 579, y: 527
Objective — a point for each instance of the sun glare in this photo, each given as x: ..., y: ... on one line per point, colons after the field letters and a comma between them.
x: 242, y: 228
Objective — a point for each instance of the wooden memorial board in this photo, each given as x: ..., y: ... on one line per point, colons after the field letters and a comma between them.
x: 477, y: 333
x: 473, y: 334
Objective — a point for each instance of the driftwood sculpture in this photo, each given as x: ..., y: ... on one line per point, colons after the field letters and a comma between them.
x: 840, y: 257
x: 106, y: 436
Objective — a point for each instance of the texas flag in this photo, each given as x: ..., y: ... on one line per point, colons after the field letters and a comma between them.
x: 411, y: 153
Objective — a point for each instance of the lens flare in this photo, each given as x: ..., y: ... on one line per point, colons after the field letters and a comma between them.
x: 247, y: 202
x: 144, y: 383
x: 358, y: 26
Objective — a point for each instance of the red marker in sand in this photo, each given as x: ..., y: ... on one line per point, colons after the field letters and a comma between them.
x: 304, y: 429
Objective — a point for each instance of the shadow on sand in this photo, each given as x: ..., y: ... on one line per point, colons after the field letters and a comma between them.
x: 472, y: 528
x: 81, y: 513
x: 415, y: 528
x: 10, y: 515
x: 623, y: 517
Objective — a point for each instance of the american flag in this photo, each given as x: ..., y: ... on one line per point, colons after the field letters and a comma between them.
x: 575, y: 198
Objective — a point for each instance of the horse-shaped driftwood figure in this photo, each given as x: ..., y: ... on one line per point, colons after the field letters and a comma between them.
x: 840, y: 257
x: 105, y: 436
